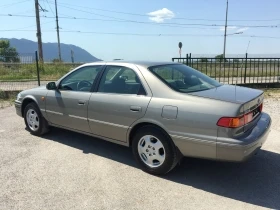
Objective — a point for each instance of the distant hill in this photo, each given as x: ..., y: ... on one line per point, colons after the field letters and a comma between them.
x: 50, y: 51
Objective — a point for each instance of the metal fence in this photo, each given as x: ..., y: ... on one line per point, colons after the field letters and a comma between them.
x: 25, y: 71
x: 246, y: 70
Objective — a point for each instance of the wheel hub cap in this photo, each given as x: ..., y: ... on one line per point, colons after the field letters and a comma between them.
x: 32, y: 120
x: 151, y: 151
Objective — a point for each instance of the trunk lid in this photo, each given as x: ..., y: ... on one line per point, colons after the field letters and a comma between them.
x: 250, y: 100
x: 230, y: 93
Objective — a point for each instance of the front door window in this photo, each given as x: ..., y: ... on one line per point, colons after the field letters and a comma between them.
x: 81, y: 79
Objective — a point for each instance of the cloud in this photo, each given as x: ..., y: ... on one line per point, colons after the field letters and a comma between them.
x: 228, y: 28
x: 159, y: 16
x: 242, y: 29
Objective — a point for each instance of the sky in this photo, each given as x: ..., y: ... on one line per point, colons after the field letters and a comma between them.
x: 152, y: 29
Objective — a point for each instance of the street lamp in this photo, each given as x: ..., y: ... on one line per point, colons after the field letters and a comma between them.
x: 225, y: 35
x: 224, y: 54
x: 241, y: 32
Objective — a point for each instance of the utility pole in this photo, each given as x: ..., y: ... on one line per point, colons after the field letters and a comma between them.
x: 39, y: 34
x: 57, y: 31
x: 72, y: 56
x: 225, y: 36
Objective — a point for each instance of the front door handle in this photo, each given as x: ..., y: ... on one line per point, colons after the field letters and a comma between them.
x: 135, y: 108
x: 81, y: 102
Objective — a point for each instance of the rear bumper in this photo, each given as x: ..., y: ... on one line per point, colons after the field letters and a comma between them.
x: 18, y: 108
x: 246, y: 146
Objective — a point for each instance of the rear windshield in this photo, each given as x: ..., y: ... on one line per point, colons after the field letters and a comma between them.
x: 183, y: 78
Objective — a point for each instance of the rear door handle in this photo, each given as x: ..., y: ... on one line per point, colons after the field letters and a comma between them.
x: 135, y: 108
x: 81, y: 102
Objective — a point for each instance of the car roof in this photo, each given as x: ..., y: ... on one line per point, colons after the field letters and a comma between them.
x: 145, y: 64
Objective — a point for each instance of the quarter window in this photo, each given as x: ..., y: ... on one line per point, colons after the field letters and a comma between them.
x: 183, y: 78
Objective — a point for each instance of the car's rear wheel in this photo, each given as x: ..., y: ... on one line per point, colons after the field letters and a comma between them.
x: 34, y: 121
x: 154, y: 150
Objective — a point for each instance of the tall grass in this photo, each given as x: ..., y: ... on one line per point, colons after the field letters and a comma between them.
x: 53, y: 71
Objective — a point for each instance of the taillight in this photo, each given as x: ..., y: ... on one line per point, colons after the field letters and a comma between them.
x: 231, y: 122
x: 261, y: 107
x: 235, y: 122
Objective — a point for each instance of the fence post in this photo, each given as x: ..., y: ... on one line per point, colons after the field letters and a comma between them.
x: 172, y: 59
x: 37, y: 66
x: 187, y: 61
x: 190, y: 57
x: 245, y: 68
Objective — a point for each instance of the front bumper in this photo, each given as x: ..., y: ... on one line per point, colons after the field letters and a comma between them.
x: 242, y: 151
x: 18, y: 108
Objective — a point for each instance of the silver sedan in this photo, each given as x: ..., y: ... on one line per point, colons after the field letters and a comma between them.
x: 164, y: 111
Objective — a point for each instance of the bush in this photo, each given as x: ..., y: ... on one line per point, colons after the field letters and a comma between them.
x: 203, y: 60
x: 220, y: 58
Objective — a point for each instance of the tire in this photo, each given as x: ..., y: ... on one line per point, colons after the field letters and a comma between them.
x: 156, y: 156
x: 34, y: 120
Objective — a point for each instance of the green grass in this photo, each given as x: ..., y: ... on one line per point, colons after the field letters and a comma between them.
x: 17, y: 72
x: 53, y: 71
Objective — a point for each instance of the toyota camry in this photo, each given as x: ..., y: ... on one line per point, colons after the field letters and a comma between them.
x: 162, y: 110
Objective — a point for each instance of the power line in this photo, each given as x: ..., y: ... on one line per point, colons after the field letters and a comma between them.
x: 24, y: 12
x: 7, y: 5
x: 50, y: 7
x: 103, y: 20
x: 150, y: 23
x: 141, y: 34
x: 181, y: 24
x: 15, y: 29
x: 145, y: 15
x: 255, y: 36
x: 44, y: 10
x: 136, y: 34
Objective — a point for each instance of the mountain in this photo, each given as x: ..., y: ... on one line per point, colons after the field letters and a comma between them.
x: 50, y: 51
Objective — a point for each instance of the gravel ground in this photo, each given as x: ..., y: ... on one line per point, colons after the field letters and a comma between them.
x: 66, y: 170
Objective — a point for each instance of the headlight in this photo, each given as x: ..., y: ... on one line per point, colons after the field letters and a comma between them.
x: 18, y: 96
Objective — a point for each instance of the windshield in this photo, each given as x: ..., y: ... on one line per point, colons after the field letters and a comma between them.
x: 183, y: 78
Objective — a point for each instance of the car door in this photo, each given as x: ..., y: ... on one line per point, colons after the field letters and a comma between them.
x: 120, y: 99
x: 67, y: 106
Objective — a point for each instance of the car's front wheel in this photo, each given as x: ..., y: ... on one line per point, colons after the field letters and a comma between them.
x: 154, y: 150
x: 34, y: 121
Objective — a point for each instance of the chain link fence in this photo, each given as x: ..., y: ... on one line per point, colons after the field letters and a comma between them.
x: 24, y: 71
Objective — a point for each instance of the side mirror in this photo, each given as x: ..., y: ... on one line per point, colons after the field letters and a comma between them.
x: 51, y: 86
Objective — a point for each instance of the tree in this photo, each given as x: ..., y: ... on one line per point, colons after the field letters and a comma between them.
x: 7, y: 53
x: 220, y: 58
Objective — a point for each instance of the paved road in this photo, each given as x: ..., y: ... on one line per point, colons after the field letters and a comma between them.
x: 65, y: 170
x: 15, y: 86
